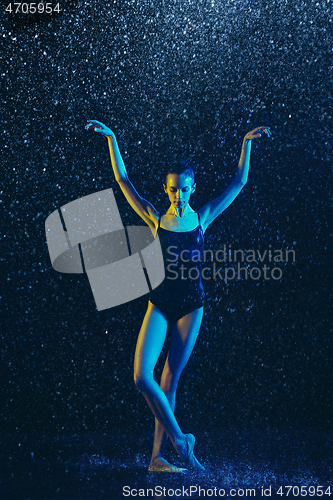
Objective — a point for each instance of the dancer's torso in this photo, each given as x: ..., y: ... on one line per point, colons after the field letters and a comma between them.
x: 181, y: 290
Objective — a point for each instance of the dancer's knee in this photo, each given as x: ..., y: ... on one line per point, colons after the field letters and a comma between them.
x: 142, y: 381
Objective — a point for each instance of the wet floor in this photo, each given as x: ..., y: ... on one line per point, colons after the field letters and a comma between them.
x: 239, y: 463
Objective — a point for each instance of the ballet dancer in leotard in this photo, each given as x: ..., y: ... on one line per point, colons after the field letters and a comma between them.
x: 178, y: 300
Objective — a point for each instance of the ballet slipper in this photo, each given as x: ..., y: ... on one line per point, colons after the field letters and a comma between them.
x: 161, y: 465
x: 188, y: 456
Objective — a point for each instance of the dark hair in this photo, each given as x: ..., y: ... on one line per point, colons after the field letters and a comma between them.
x: 179, y: 167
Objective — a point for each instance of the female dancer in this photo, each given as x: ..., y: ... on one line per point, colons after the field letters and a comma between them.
x: 177, y: 301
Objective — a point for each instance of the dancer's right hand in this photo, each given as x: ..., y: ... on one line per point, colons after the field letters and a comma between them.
x: 96, y: 126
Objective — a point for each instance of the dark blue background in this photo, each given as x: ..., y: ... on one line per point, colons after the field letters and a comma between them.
x: 172, y: 79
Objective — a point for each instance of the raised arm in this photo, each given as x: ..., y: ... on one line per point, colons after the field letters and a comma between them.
x: 213, y: 208
x: 142, y: 207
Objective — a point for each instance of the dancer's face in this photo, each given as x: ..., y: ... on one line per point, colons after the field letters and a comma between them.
x: 179, y: 189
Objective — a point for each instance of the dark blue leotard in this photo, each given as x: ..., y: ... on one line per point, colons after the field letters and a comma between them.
x: 181, y: 291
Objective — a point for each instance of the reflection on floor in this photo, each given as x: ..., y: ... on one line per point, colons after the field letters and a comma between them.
x: 114, y: 466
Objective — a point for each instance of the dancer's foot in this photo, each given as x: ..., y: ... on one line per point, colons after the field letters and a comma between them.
x: 185, y: 450
x: 161, y: 465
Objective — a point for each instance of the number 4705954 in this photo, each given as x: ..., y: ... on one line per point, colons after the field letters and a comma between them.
x: 304, y: 491
x: 32, y: 8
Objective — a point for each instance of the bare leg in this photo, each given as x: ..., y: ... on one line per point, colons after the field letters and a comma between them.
x: 183, y: 338
x: 150, y: 342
